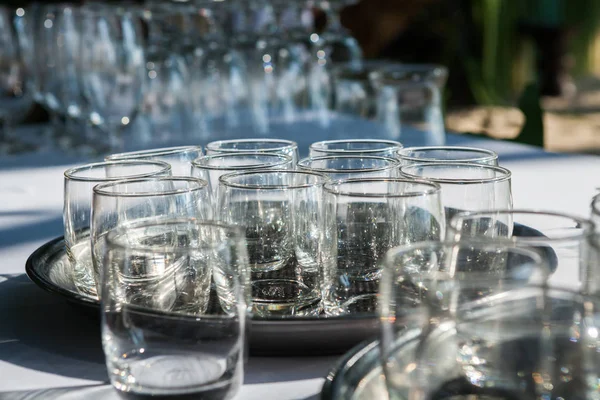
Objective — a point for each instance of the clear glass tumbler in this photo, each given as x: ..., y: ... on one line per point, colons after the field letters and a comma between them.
x: 365, y: 218
x: 424, y: 289
x: 180, y: 158
x: 277, y: 146
x: 282, y: 215
x: 564, y: 239
x: 351, y: 166
x: 122, y: 203
x: 79, y: 182
x: 212, y: 167
x: 409, y: 102
x: 157, y: 341
x: 436, y: 154
x: 466, y: 186
x: 367, y: 147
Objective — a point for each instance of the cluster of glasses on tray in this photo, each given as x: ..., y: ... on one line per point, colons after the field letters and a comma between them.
x: 182, y: 244
x: 133, y: 75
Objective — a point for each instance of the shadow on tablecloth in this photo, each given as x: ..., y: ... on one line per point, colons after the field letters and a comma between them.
x: 44, y: 333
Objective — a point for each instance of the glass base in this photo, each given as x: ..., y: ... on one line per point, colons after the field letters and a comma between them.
x: 284, y: 297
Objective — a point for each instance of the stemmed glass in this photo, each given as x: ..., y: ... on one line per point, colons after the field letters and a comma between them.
x: 113, y: 67
x: 166, y: 104
x: 14, y: 100
x: 68, y: 67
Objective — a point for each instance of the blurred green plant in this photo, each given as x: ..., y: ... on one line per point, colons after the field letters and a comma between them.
x: 502, y: 58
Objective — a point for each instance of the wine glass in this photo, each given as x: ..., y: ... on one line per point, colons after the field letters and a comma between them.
x: 113, y: 67
x: 14, y: 102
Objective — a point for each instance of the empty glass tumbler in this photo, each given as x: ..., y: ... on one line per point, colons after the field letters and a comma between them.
x: 180, y: 158
x: 79, y: 182
x: 163, y: 333
x: 409, y: 102
x: 276, y: 146
x: 563, y: 239
x: 212, y: 167
x: 365, y: 218
x: 436, y: 154
x: 351, y: 166
x: 282, y: 216
x: 466, y: 186
x: 370, y: 147
x: 122, y: 203
x: 424, y: 289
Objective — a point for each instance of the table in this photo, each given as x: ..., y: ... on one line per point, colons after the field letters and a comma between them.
x: 46, y: 345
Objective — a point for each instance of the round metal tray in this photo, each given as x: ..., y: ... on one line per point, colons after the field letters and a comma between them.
x: 48, y: 267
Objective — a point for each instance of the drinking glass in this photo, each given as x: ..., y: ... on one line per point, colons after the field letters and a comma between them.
x: 436, y: 154
x: 180, y: 158
x: 46, y: 51
x: 355, y: 166
x: 282, y: 215
x: 424, y: 288
x: 212, y: 167
x: 25, y: 26
x: 354, y: 89
x: 164, y: 333
x: 69, y: 93
x: 124, y: 202
x: 466, y: 186
x: 529, y: 342
x: 365, y: 218
x: 79, y: 182
x: 14, y: 99
x: 113, y: 67
x: 277, y: 146
x: 367, y: 147
x: 409, y: 102
x: 166, y: 103
x: 562, y: 238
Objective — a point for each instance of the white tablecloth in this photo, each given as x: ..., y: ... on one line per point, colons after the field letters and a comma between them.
x: 45, y: 343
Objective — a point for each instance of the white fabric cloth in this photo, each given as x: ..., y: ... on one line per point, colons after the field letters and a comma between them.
x: 45, y: 343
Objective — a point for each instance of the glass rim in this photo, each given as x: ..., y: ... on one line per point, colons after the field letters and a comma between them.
x: 393, y: 163
x: 392, y: 145
x: 587, y: 226
x: 433, y: 188
x: 284, y: 159
x: 223, y: 179
x: 100, y: 189
x: 506, y: 174
x: 112, y: 242
x: 151, y: 152
x: 70, y: 173
x: 285, y: 145
x: 491, y: 155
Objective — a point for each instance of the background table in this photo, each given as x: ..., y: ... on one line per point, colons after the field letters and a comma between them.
x: 46, y: 344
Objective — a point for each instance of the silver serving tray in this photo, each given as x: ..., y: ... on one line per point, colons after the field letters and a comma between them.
x: 48, y: 267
